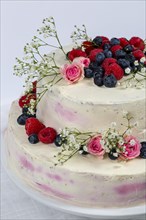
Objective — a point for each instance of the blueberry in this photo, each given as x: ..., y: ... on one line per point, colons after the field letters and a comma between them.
x: 58, y: 140
x: 114, y: 41
x: 100, y: 57
x: 33, y: 139
x: 112, y: 157
x: 143, y: 144
x: 110, y: 81
x: 130, y: 58
x: 25, y: 111
x: 108, y: 53
x: 110, y: 154
x: 143, y: 152
x: 97, y: 41
x: 123, y: 63
x: 128, y: 48
x: 106, y: 46
x: 84, y: 152
x: 99, y: 71
x: 98, y: 80
x: 88, y: 73
x: 93, y: 66
x: 22, y: 119
x: 120, y: 54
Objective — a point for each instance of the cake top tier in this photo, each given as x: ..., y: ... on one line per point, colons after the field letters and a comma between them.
x: 86, y: 91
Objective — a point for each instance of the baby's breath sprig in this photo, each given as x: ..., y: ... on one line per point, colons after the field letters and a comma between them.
x: 73, y: 141
x: 80, y: 34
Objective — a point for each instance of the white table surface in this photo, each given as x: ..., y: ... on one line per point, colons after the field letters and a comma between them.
x: 15, y: 204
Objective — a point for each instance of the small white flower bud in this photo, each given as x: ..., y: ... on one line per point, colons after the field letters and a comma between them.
x: 143, y: 59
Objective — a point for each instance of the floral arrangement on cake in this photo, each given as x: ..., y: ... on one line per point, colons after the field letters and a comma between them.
x: 102, y: 60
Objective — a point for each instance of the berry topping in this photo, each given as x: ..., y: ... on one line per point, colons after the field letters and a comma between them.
x: 97, y: 41
x: 33, y: 126
x: 99, y: 71
x: 116, y: 70
x: 105, y: 40
x: 47, y: 135
x: 110, y: 81
x: 98, y: 80
x: 93, y: 54
x: 130, y: 58
x: 138, y: 54
x: 128, y: 48
x: 76, y: 53
x: 87, y: 44
x: 34, y: 86
x: 107, y: 53
x: 143, y: 150
x: 123, y: 41
x: 106, y: 46
x: 107, y: 62
x: 21, y: 120
x: 58, y: 140
x: 137, y: 42
x: 115, y: 48
x: 123, y: 63
x: 112, y: 157
x: 88, y: 73
x: 25, y: 99
x: 120, y: 54
x: 100, y: 57
x: 33, y: 139
x: 114, y: 41
x: 93, y: 66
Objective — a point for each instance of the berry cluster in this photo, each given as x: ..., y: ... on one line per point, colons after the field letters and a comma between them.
x: 111, y: 59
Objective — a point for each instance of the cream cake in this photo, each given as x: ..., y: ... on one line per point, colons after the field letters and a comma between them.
x: 81, y: 121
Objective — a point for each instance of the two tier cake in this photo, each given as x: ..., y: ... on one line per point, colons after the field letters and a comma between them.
x: 78, y: 132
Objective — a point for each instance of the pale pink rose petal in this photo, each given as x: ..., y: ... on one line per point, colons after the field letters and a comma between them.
x: 82, y: 60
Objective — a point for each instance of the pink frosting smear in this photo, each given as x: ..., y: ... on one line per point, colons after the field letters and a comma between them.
x: 27, y: 164
x: 48, y: 189
x: 54, y: 176
x: 66, y: 114
x: 130, y: 188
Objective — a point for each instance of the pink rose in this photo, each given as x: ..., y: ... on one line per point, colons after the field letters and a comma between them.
x: 132, y: 147
x: 82, y: 60
x: 94, y: 146
x: 72, y: 72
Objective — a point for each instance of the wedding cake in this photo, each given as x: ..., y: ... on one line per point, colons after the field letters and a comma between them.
x: 77, y: 134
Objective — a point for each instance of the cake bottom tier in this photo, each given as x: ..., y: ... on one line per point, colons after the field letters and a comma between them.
x: 84, y: 181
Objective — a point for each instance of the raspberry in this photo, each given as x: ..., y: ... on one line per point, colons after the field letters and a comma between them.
x: 88, y: 49
x: 123, y: 41
x: 116, y: 70
x: 87, y: 44
x: 105, y: 40
x: 25, y: 99
x: 76, y: 53
x: 47, y: 135
x: 93, y: 54
x: 33, y: 126
x: 138, y: 54
x: 34, y: 86
x: 107, y: 62
x: 137, y: 42
x: 115, y: 48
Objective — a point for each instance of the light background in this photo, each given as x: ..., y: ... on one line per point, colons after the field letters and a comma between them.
x: 19, y: 21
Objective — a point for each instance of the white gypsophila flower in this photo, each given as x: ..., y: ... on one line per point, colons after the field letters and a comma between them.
x: 143, y: 59
x: 143, y: 70
x: 121, y: 142
x: 102, y: 142
x: 77, y: 146
x: 113, y: 124
x: 132, y: 142
x: 85, y: 148
x: 136, y: 63
x: 31, y: 111
x: 107, y: 149
x: 129, y: 131
x: 71, y: 139
x: 125, y: 113
x: 127, y: 70
x: 80, y: 151
x: 115, y: 154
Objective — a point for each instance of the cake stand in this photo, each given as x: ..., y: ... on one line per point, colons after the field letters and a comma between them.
x: 98, y: 213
